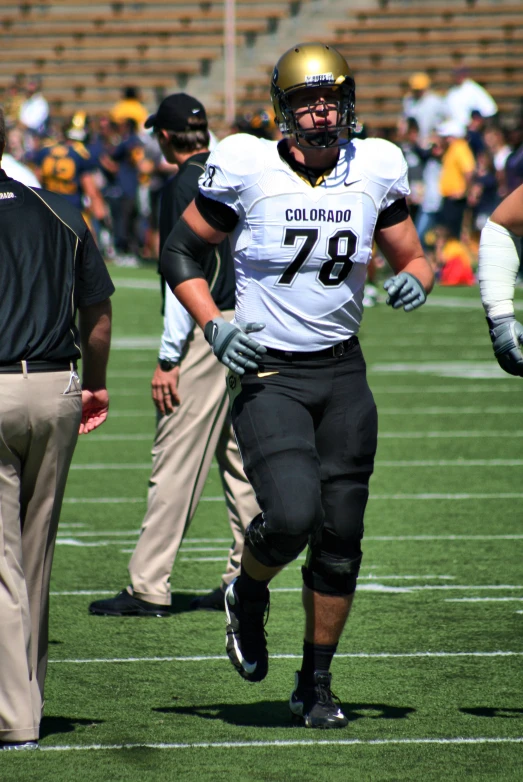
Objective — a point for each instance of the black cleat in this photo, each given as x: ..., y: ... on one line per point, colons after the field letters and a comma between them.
x: 315, y: 706
x: 245, y: 636
x: 214, y: 601
x: 124, y: 604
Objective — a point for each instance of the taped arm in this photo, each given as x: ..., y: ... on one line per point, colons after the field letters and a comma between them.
x: 181, y: 263
x: 499, y: 260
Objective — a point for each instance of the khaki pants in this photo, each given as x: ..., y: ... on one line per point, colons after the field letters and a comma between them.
x: 185, y: 443
x: 38, y: 431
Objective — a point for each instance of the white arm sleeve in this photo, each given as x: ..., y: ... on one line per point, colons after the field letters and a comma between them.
x: 499, y: 253
x: 177, y: 325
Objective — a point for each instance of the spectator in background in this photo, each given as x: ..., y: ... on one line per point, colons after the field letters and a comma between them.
x: 423, y: 105
x: 16, y: 170
x: 13, y: 100
x: 428, y: 213
x: 258, y: 123
x: 483, y: 196
x: 458, y: 165
x: 453, y: 260
x: 66, y: 168
x: 496, y: 143
x: 128, y: 155
x: 408, y: 141
x: 475, y: 133
x: 130, y: 107
x: 34, y: 111
x: 514, y: 162
x: 465, y: 96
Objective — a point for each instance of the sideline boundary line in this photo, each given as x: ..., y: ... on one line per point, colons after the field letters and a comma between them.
x: 287, y: 743
x: 345, y: 655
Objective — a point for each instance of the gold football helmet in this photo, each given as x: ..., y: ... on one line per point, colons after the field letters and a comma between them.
x: 314, y: 65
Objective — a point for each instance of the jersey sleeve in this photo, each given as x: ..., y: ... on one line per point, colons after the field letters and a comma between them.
x: 400, y: 186
x: 93, y: 282
x: 231, y: 168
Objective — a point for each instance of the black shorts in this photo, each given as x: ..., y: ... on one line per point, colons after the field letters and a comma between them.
x: 307, y: 432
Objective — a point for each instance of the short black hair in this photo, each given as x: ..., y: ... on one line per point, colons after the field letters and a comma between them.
x: 131, y: 93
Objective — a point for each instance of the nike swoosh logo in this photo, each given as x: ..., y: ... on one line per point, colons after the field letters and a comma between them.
x: 267, y: 374
x: 348, y: 184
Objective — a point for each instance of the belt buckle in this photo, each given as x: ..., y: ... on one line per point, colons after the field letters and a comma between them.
x: 338, y: 350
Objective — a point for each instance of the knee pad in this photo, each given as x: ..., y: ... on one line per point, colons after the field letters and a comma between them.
x: 270, y: 548
x: 333, y: 565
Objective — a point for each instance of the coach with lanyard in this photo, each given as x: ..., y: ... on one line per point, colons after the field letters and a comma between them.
x: 50, y: 269
x: 302, y: 215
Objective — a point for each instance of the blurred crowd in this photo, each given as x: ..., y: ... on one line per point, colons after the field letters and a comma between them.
x: 463, y: 158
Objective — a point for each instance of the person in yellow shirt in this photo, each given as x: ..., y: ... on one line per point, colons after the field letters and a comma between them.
x: 458, y: 165
x: 130, y: 107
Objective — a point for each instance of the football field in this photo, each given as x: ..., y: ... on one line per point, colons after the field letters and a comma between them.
x: 429, y: 667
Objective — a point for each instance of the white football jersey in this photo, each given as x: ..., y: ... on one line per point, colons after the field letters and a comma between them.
x: 301, y: 252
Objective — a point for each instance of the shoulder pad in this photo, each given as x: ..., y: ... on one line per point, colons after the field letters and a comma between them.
x: 380, y: 158
x: 241, y: 153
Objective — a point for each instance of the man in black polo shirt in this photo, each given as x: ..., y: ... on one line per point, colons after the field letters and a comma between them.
x: 189, y: 391
x: 50, y: 269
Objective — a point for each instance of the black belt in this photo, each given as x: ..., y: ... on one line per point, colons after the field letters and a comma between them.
x: 335, y: 351
x: 36, y: 366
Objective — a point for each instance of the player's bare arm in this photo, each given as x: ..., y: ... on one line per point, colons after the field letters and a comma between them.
x: 509, y: 213
x: 414, y: 277
x: 189, y: 240
x: 499, y: 260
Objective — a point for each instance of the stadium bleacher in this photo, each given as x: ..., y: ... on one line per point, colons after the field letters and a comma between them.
x: 91, y: 51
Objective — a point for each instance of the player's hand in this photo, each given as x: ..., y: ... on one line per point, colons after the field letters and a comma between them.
x: 232, y: 346
x: 164, y: 387
x: 507, y: 338
x: 405, y: 291
x: 95, y: 406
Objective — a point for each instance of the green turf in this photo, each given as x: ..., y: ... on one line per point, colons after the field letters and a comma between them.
x: 423, y: 671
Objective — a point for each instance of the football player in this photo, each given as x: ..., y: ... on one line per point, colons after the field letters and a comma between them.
x: 499, y: 262
x: 301, y: 215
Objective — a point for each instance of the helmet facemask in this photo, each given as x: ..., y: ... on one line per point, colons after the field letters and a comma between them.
x: 339, y: 97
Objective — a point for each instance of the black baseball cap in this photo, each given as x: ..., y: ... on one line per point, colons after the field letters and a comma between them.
x: 179, y: 112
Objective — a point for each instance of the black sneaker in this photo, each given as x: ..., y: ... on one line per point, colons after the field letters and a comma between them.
x: 245, y: 636
x: 18, y: 745
x: 124, y: 604
x: 214, y: 601
x: 315, y: 706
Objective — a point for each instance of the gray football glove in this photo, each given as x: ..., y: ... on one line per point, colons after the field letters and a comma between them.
x: 507, y: 338
x: 405, y: 291
x: 232, y: 346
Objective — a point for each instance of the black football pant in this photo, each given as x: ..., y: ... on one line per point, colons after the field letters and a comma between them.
x: 307, y: 432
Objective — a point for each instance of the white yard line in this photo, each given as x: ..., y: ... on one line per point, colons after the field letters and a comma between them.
x: 483, y: 599
x: 112, y: 466
x: 379, y: 463
x: 414, y: 435
x: 115, y: 438
x: 442, y: 411
x: 282, y: 743
x: 451, y: 434
x: 347, y: 656
x: 435, y: 496
x: 453, y: 410
x: 479, y: 388
x: 386, y: 538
